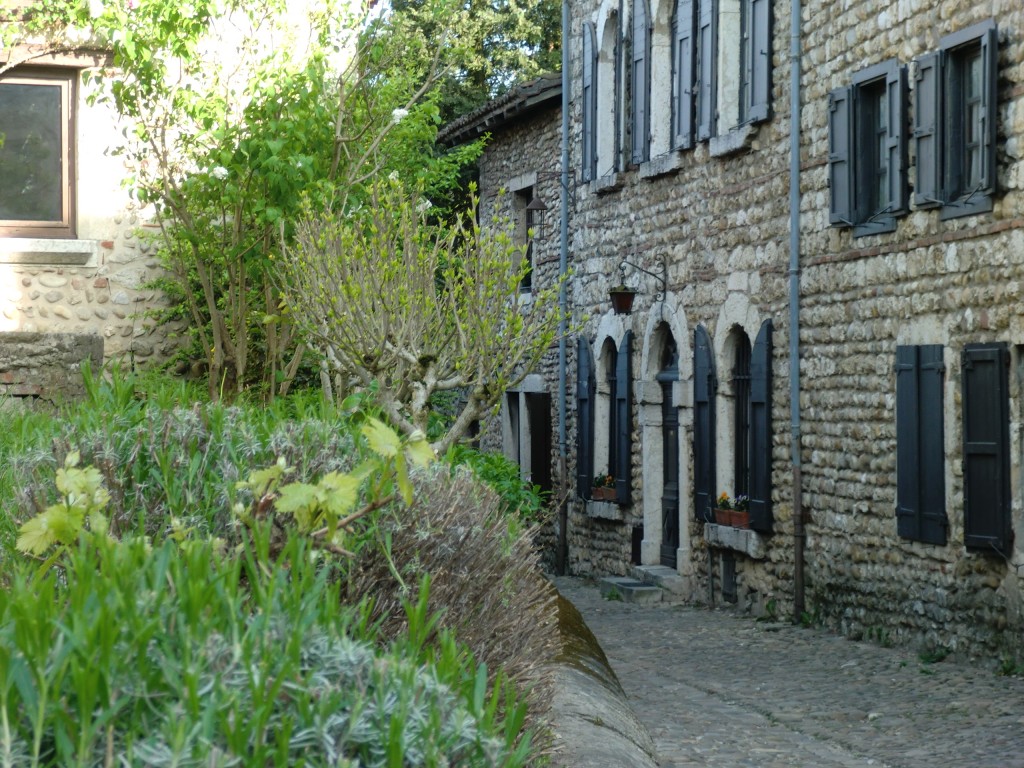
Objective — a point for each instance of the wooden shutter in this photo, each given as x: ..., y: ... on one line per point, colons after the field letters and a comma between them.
x: 623, y: 436
x: 589, y: 103
x: 682, y: 74
x: 640, y: 127
x: 840, y: 156
x: 759, y: 60
x: 707, y: 49
x: 928, y: 131
x: 986, y: 425
x: 586, y: 387
x: 896, y: 139
x: 989, y: 107
x: 705, y: 385
x: 760, y: 490
x: 908, y: 449
x: 920, y: 447
x: 932, y: 466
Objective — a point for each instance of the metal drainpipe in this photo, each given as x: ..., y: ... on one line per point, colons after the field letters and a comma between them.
x: 799, y: 534
x: 562, y: 556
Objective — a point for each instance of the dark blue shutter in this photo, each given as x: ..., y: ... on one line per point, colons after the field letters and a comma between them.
x: 682, y: 74
x: 589, y: 94
x: 585, y: 390
x: 840, y: 156
x: 759, y: 60
x: 705, y: 385
x: 896, y: 139
x: 640, y: 127
x: 932, y: 467
x: 623, y: 405
x: 986, y: 425
x: 920, y: 447
x: 760, y: 487
x: 989, y: 108
x: 707, y: 49
x: 908, y: 448
x: 928, y: 131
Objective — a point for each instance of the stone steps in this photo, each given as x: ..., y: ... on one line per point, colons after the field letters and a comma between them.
x: 629, y: 590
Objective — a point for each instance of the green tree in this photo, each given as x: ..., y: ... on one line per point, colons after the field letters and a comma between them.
x: 415, y: 308
x: 500, y: 43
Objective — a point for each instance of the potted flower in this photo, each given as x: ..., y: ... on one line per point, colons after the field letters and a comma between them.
x: 604, y: 487
x: 732, y: 511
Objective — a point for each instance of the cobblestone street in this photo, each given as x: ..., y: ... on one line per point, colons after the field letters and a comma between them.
x: 717, y: 689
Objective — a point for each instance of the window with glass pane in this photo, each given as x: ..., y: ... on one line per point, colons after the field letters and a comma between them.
x: 35, y: 154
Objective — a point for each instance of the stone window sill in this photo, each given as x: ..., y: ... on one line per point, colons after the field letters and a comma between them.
x: 661, y: 165
x: 739, y: 139
x: 743, y: 540
x: 39, y: 251
x: 605, y: 510
x: 608, y: 183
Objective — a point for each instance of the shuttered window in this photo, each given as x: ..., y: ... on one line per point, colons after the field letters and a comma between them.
x: 955, y: 114
x: 867, y: 156
x: 622, y: 463
x: 705, y: 385
x: 589, y: 94
x: 986, y: 434
x: 683, y: 61
x: 641, y: 83
x: 920, y: 453
x: 585, y: 392
x: 760, y: 438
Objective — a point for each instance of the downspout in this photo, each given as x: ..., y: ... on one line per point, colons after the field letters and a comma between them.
x: 799, y: 534
x: 562, y: 555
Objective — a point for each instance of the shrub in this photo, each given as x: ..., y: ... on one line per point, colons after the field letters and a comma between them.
x: 175, y: 656
x: 502, y: 475
x: 485, y: 583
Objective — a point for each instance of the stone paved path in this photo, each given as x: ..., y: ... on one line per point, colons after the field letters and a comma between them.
x: 717, y: 689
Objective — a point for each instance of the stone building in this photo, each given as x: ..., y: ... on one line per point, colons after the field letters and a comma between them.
x: 827, y: 316
x: 72, y: 258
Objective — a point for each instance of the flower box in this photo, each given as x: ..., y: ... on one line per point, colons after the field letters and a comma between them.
x: 602, y: 493
x: 734, y: 518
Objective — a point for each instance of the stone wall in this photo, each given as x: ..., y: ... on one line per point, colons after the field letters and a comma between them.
x: 717, y: 216
x: 929, y: 282
x: 45, y: 367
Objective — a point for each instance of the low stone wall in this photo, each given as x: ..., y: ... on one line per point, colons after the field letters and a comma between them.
x: 46, y: 366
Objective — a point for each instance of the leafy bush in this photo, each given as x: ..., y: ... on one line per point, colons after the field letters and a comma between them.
x: 176, y: 656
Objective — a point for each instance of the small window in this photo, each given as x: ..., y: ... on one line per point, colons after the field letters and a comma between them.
x: 955, y: 123
x: 524, y: 233
x: 733, y: 82
x: 36, y: 153
x: 868, y: 150
x: 920, y: 451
